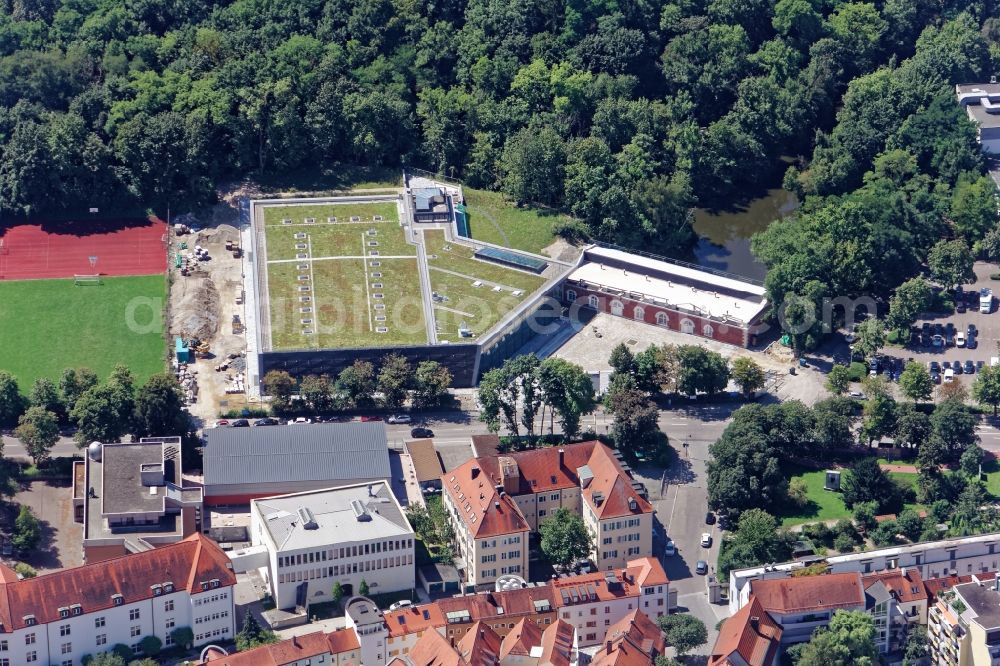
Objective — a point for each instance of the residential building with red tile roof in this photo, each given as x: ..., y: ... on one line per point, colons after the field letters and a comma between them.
x: 594, y: 602
x: 67, y: 614
x: 897, y: 601
x: 635, y: 640
x: 800, y: 604
x: 751, y: 637
x: 480, y: 646
x: 525, y: 645
x: 495, y: 501
x: 338, y: 648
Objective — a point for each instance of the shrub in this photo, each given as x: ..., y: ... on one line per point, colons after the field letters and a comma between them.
x: 151, y: 646
x: 25, y: 570
x: 844, y: 543
x: 182, y: 636
x: 572, y: 231
x: 798, y: 494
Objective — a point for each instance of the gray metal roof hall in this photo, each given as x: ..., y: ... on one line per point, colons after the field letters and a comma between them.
x: 241, y: 463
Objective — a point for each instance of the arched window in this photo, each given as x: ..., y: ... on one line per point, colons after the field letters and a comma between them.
x: 687, y: 326
x: 638, y: 313
x: 661, y: 318
x: 707, y: 330
x: 570, y: 295
x: 617, y: 308
x: 593, y: 302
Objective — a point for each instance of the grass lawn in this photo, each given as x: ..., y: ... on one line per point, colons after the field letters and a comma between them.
x: 823, y: 504
x: 829, y: 505
x: 453, y: 270
x: 49, y: 325
x: 494, y: 220
x: 344, y: 305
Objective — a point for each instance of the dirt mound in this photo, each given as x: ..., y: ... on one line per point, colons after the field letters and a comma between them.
x: 195, y: 311
x: 219, y: 235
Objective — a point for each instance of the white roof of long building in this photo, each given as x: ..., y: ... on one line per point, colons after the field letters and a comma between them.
x: 337, y: 515
x: 664, y: 283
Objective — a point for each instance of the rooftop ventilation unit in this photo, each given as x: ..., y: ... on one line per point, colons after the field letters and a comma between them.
x: 360, y: 513
x: 307, y: 518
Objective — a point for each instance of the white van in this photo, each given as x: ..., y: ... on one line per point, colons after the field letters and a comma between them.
x: 949, y: 376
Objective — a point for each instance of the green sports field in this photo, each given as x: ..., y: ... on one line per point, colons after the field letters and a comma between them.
x: 49, y: 325
x: 337, y: 273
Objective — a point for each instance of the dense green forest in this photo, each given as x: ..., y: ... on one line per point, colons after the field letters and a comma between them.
x: 625, y: 114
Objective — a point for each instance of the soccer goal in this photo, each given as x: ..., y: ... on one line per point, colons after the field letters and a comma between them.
x: 84, y: 280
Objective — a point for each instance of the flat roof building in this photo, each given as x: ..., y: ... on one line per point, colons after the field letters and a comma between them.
x: 317, y: 538
x: 981, y: 102
x: 666, y: 293
x: 242, y: 464
x: 132, y: 497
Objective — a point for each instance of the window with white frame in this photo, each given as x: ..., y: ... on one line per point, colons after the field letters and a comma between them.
x: 617, y: 307
x: 570, y: 295
x: 707, y: 330
x: 687, y: 326
x: 593, y: 301
x: 102, y: 639
x: 661, y: 319
x: 639, y: 313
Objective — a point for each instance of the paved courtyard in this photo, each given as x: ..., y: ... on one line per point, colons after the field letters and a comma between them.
x: 52, y: 503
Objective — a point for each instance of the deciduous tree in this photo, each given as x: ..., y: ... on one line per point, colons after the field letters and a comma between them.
x: 38, y: 430
x: 564, y: 538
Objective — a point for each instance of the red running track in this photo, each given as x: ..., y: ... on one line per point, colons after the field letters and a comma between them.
x: 63, y: 249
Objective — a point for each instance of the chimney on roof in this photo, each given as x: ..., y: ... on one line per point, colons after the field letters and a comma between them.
x: 562, y: 454
x: 475, y: 472
x: 755, y: 622
x: 295, y: 641
x: 496, y: 505
x: 607, y: 647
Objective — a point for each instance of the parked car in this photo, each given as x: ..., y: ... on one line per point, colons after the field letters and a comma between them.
x: 969, y: 367
x: 857, y: 394
x: 7, y: 549
x: 706, y: 540
x: 946, y: 364
x: 399, y: 418
x: 366, y: 418
x: 422, y: 433
x: 980, y: 364
x: 936, y: 377
x: 403, y: 603
x: 971, y: 343
x: 300, y: 421
x: 670, y: 549
x: 240, y: 423
x: 960, y: 339
x: 937, y: 341
x: 934, y: 366
x: 709, y: 518
x: 960, y: 305
x: 957, y: 367
x: 221, y: 422
x: 972, y: 330
x: 949, y: 376
x: 267, y: 421
x: 701, y: 568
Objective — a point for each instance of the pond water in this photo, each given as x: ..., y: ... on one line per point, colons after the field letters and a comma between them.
x: 724, y: 235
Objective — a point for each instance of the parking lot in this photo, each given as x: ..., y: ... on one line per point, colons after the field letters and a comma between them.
x: 987, y: 325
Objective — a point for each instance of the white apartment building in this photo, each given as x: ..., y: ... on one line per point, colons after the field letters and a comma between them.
x: 306, y: 542
x: 59, y: 618
x: 496, y: 501
x: 933, y: 559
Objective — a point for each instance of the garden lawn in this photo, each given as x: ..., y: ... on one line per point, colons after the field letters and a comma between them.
x: 47, y: 326
x: 829, y: 505
x: 494, y: 220
x: 823, y: 504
